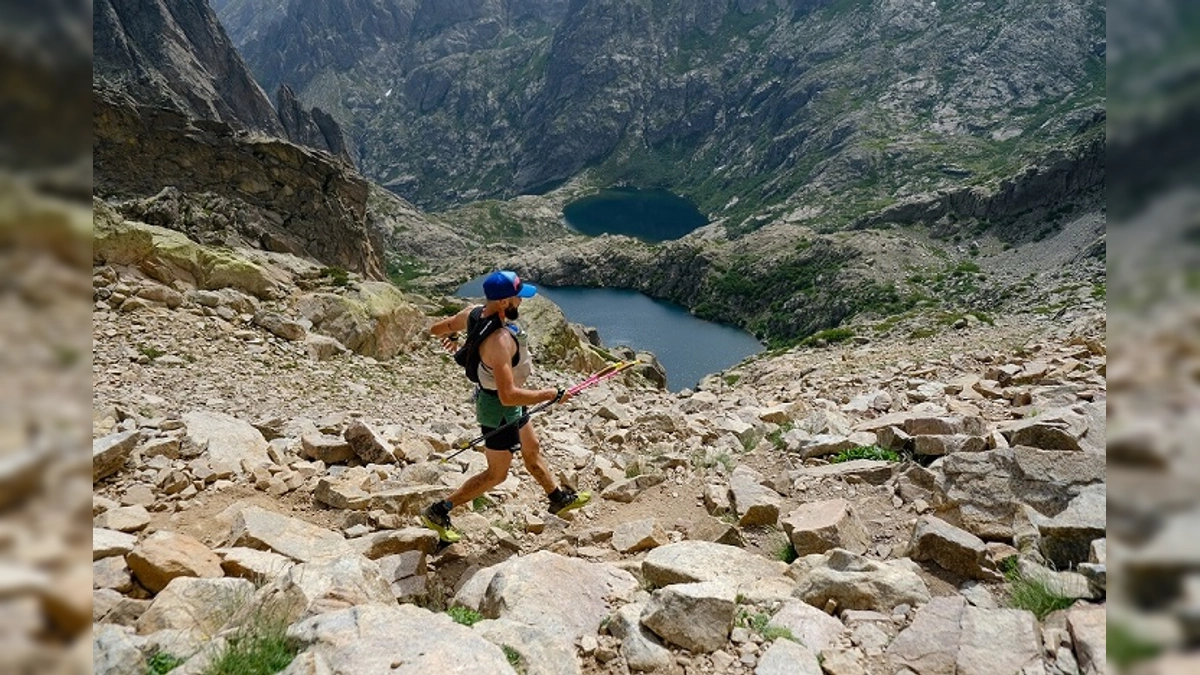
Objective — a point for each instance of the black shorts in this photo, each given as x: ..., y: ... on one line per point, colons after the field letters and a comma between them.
x: 508, y: 438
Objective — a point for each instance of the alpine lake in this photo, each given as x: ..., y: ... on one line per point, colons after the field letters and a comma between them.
x: 688, y: 347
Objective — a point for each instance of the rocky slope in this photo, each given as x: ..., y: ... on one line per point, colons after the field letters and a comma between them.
x: 262, y: 453
x: 839, y: 108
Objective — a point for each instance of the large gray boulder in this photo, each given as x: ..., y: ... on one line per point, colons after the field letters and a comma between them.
x: 855, y: 582
x: 398, y: 639
x: 540, y: 653
x: 308, y: 589
x: 111, y: 452
x: 566, y: 598
x: 811, y: 626
x: 984, y: 490
x: 200, y: 606
x: 164, y: 556
x: 643, y: 650
x: 1067, y: 537
x: 755, y: 503
x: 950, y: 637
x: 785, y: 657
x: 951, y: 548
x: 691, y: 561
x: 697, y: 617
x: 226, y: 441
x: 817, y: 527
x: 254, y: 527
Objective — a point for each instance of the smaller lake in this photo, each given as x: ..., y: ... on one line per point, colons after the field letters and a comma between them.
x: 689, y: 348
x: 652, y: 215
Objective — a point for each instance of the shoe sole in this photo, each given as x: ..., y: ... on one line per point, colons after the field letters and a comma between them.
x: 581, y: 501
x: 444, y: 535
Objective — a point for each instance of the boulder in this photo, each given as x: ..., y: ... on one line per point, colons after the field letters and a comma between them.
x: 539, y: 653
x: 642, y: 649
x: 201, y: 606
x: 817, y: 527
x: 389, y: 542
x: 254, y: 527
x: 112, y: 572
x: 1067, y: 537
x: 373, y: 319
x: 952, y: 548
x: 368, y: 444
x: 811, y: 626
x: 111, y: 452
x: 565, y: 597
x: 627, y: 490
x: 785, y: 657
x: 639, y: 535
x: 693, y: 561
x: 948, y: 636
x: 696, y: 616
x: 225, y: 440
x: 252, y: 564
x: 363, y: 639
x: 116, y: 650
x: 855, y: 582
x: 106, y: 543
x: 938, y: 445
x: 930, y: 644
x: 164, y: 556
x: 1088, y: 627
x: 754, y: 503
x: 871, y: 471
x: 326, y: 448
x: 309, y: 589
x: 280, y: 326
x: 124, y: 519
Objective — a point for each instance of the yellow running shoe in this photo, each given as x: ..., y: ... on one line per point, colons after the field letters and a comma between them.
x: 440, y: 523
x: 569, y: 501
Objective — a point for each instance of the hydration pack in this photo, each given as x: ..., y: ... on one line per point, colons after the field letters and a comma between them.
x: 478, y: 328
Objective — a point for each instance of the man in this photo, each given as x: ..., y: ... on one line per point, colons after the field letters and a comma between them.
x: 500, y: 400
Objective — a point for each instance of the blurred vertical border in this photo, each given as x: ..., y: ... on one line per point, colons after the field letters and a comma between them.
x: 1153, y: 163
x: 45, y: 336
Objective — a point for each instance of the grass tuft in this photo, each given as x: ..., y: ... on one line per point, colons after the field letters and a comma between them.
x: 865, y: 452
x: 786, y: 552
x: 261, y: 648
x: 514, y: 658
x: 162, y: 663
x: 1036, y: 595
x: 464, y: 615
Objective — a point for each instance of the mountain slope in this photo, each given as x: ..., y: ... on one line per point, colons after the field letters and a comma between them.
x: 836, y: 106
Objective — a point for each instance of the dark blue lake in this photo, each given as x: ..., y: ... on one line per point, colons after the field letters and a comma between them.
x: 689, y: 348
x: 652, y: 215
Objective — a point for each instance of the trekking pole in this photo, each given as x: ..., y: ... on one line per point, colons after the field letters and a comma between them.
x: 608, y: 372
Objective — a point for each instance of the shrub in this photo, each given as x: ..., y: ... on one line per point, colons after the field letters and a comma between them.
x: 865, y: 452
x: 162, y: 663
x: 465, y: 616
x: 786, y: 552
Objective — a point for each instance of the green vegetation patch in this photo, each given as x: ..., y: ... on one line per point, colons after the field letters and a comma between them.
x: 866, y: 452
x: 465, y: 616
x: 162, y: 663
x: 261, y: 648
x: 1036, y: 595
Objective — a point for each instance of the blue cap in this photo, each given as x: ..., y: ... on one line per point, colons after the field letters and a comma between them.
x: 505, y: 284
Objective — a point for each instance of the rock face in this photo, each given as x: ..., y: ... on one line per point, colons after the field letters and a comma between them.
x: 177, y: 55
x: 273, y: 194
x: 182, y: 59
x: 696, y: 616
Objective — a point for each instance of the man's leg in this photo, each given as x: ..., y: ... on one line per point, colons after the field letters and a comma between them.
x: 531, y: 452
x: 436, y: 516
x: 498, y: 462
x: 561, y: 499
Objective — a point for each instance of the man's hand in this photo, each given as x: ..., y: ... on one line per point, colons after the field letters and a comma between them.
x: 450, y: 342
x: 561, y: 395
